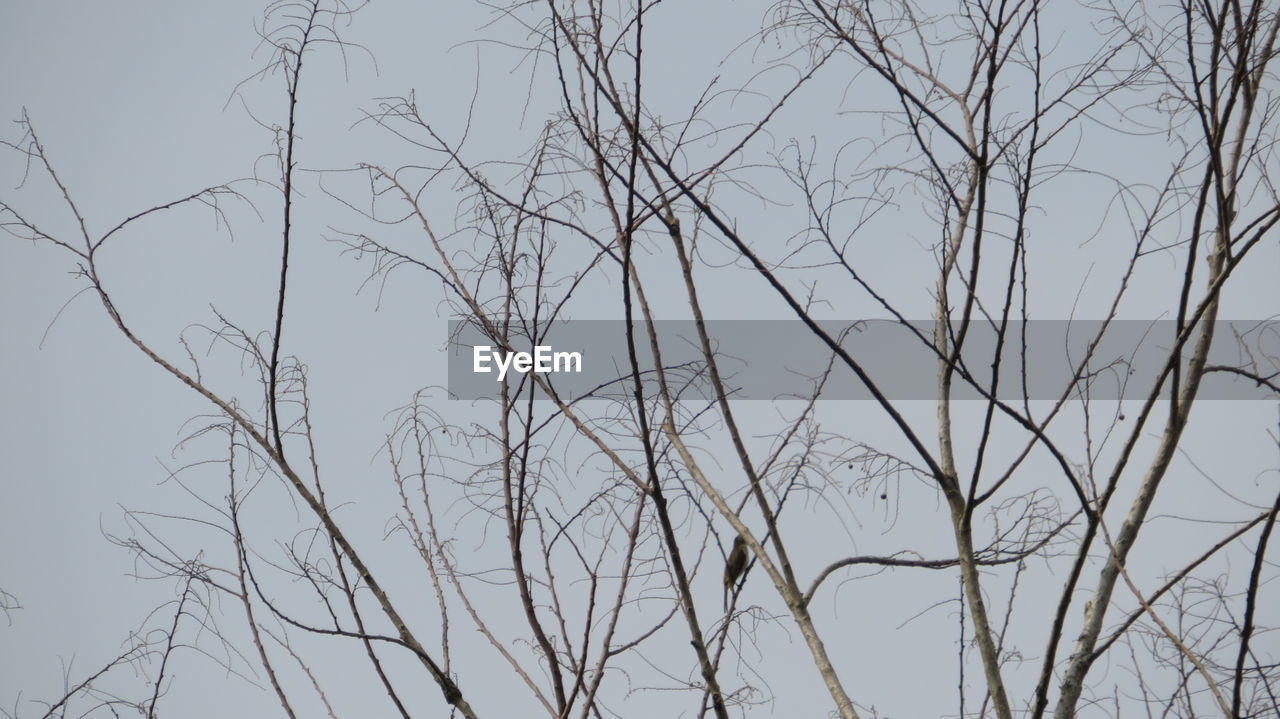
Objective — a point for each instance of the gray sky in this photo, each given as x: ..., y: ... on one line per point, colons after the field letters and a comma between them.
x: 134, y: 102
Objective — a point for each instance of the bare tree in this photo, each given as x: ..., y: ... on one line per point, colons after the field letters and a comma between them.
x: 578, y: 550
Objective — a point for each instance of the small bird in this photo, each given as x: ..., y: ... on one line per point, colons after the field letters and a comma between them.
x: 734, y: 566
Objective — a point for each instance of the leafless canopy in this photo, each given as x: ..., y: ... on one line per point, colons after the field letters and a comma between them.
x: 961, y: 170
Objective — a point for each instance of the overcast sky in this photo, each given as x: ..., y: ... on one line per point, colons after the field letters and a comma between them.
x: 137, y: 104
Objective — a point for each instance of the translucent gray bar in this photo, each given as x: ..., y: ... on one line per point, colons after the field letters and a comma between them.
x: 787, y: 359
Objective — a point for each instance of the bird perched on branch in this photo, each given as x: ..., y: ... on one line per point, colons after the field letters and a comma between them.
x: 734, y: 566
